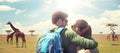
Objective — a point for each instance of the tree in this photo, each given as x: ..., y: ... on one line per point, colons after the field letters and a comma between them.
x: 112, y: 28
x: 8, y: 31
x: 101, y: 32
x: 111, y: 24
x: 31, y: 32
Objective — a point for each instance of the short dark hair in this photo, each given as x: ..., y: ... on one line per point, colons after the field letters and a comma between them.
x: 58, y: 15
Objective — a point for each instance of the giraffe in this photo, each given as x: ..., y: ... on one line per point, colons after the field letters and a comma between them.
x: 10, y: 36
x: 112, y: 34
x: 18, y: 34
x: 109, y: 36
x: 115, y: 36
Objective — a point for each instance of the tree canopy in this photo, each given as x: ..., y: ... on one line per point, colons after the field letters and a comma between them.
x: 112, y: 24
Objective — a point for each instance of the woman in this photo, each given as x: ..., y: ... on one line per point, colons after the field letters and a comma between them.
x: 82, y: 28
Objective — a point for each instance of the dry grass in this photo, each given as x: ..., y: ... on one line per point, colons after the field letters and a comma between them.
x: 11, y: 48
x: 105, y: 46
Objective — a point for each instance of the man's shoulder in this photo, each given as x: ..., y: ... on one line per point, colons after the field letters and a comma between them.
x: 69, y: 31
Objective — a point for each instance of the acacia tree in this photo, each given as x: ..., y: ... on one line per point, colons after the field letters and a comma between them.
x: 112, y: 28
x: 101, y: 32
x: 8, y: 31
x: 31, y: 32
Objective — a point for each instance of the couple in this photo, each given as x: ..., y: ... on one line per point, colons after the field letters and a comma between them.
x: 74, y: 41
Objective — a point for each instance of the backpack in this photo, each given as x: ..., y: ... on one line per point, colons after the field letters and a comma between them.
x: 50, y: 42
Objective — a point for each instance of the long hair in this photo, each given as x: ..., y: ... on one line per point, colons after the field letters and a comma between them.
x: 87, y: 32
x: 84, y: 29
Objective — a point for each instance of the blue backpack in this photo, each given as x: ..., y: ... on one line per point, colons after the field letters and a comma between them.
x: 50, y: 42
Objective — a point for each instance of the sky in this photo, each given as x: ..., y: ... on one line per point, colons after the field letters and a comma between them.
x: 36, y: 14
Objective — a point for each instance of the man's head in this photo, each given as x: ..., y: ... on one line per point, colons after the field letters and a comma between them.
x: 59, y: 18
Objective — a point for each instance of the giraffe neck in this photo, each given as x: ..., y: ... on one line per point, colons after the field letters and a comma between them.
x: 13, y: 28
x: 12, y: 34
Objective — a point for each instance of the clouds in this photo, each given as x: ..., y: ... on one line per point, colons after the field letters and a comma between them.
x: 11, y: 1
x: 9, y: 8
x: 98, y: 24
x: 38, y: 27
x: 96, y: 13
x: 118, y: 6
x: 0, y: 24
x: 113, y: 15
x: 67, y: 5
x: 108, y: 16
x: 6, y: 8
x: 19, y: 12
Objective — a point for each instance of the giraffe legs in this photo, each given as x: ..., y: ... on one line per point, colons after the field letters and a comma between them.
x: 116, y: 37
x: 17, y: 42
x: 108, y: 37
x: 11, y: 40
x: 7, y: 40
x: 23, y: 42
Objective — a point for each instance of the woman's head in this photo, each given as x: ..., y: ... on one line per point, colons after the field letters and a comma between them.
x: 81, y: 24
x: 59, y: 18
x: 81, y: 27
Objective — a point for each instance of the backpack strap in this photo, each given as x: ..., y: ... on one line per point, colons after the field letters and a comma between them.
x: 60, y: 38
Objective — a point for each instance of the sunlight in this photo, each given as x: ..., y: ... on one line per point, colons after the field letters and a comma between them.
x: 72, y: 5
x: 68, y: 5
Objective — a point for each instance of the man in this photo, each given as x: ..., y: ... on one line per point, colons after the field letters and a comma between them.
x: 69, y: 37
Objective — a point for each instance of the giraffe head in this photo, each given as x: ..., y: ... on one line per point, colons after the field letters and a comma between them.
x: 8, y: 23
